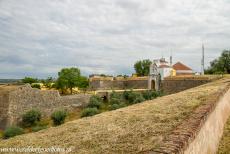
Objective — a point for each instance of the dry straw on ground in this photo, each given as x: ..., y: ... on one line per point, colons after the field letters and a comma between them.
x: 224, y: 145
x: 137, y: 128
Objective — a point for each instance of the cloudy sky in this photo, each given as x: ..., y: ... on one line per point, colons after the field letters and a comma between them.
x: 39, y: 37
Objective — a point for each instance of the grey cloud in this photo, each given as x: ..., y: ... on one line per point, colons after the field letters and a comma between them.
x: 38, y: 38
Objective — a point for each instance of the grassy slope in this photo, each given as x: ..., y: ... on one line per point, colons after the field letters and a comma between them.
x: 128, y: 130
x: 224, y: 145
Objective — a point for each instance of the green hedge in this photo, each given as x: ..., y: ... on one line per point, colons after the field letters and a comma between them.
x: 12, y: 131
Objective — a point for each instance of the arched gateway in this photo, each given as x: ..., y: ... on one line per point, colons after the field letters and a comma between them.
x: 154, y: 77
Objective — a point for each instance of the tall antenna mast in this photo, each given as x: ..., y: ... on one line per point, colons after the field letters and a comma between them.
x: 171, y: 58
x: 202, y: 61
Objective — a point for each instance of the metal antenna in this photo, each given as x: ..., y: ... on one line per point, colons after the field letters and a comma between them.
x: 171, y: 57
x: 202, y: 61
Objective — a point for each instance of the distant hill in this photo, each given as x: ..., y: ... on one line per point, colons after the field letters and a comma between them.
x: 5, y: 81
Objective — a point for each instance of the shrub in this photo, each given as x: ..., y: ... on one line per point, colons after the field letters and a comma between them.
x: 38, y: 128
x: 114, y: 107
x: 89, y: 112
x: 12, y: 131
x: 122, y: 104
x: 126, y: 94
x: 38, y: 86
x: 130, y: 96
x: 148, y: 95
x: 139, y: 98
x: 115, y: 101
x: 95, y: 101
x: 31, y: 117
x: 115, y: 95
x: 115, y: 98
x: 58, y: 117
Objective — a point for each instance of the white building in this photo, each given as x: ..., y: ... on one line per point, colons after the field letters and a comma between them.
x: 163, y: 67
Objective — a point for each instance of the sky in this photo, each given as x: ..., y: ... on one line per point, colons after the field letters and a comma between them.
x: 40, y: 37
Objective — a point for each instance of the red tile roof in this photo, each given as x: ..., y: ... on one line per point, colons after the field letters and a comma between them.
x: 180, y: 66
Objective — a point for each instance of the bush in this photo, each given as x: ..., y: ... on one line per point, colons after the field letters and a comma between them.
x: 130, y: 96
x: 12, y: 131
x: 38, y: 86
x: 95, y: 101
x: 115, y: 101
x: 148, y: 95
x: 114, y: 107
x: 126, y: 94
x: 115, y: 95
x: 89, y: 112
x: 139, y: 98
x: 115, y: 98
x: 58, y: 117
x: 31, y: 117
x: 38, y: 128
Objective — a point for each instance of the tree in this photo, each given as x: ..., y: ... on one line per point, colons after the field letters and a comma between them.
x: 221, y: 64
x: 48, y: 82
x: 83, y: 82
x: 68, y: 78
x: 29, y: 80
x: 142, y: 67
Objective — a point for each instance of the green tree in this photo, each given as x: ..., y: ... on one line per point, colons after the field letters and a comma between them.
x: 83, y: 82
x: 68, y: 78
x: 61, y: 84
x: 221, y: 64
x: 29, y: 80
x: 142, y: 67
x: 48, y: 82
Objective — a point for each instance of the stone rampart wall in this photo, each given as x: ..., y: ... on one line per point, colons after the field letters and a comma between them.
x: 174, y: 86
x: 169, y: 85
x: 207, y: 140
x: 24, y: 98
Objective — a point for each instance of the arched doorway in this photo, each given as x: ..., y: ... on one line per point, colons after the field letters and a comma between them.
x: 153, y: 85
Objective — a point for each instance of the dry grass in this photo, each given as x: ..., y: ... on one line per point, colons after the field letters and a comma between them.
x: 224, y: 145
x: 133, y: 129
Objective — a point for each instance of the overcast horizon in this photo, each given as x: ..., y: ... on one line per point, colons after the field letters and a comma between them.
x: 38, y: 38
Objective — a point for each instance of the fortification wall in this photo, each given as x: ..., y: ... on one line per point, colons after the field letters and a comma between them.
x: 24, y: 98
x: 207, y: 140
x: 118, y: 84
x: 171, y: 86
x: 168, y: 85
x: 4, y: 106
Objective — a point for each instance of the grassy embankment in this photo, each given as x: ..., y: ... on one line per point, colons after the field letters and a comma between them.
x: 224, y: 145
x: 132, y: 129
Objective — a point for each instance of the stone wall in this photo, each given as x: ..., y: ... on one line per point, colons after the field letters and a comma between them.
x: 201, y: 132
x: 207, y: 140
x: 118, y: 84
x: 16, y: 102
x: 168, y: 85
x: 4, y: 106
